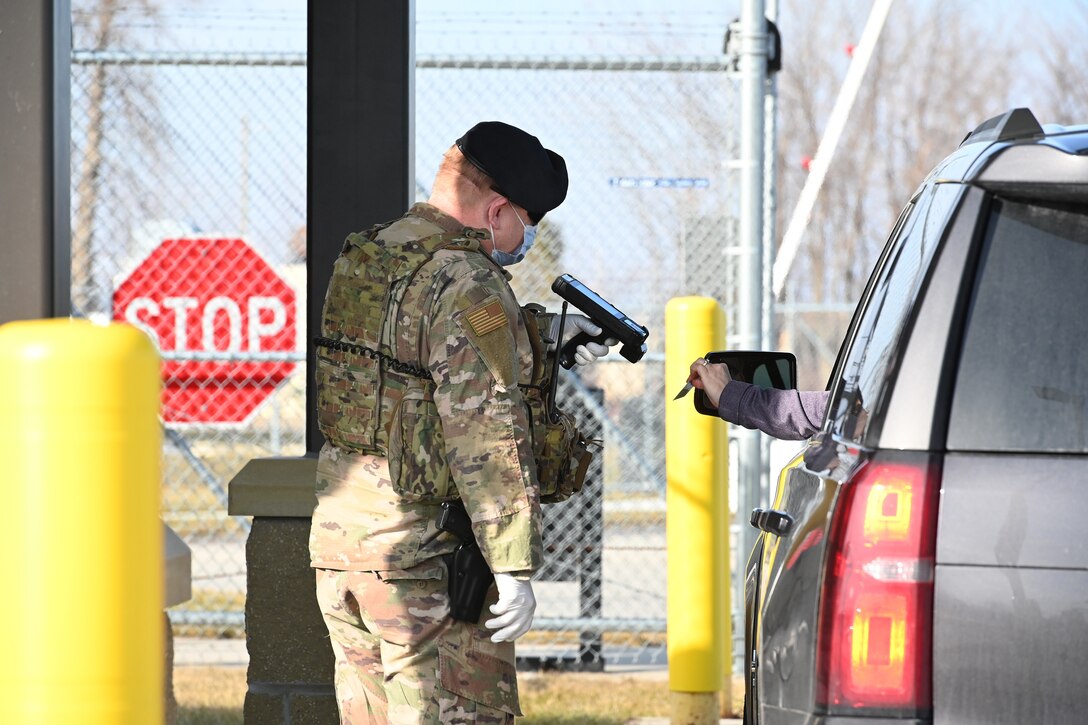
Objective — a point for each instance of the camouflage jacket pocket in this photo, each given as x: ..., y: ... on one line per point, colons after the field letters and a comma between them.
x: 478, y: 676
x: 347, y: 385
x: 538, y: 417
x: 551, y: 457
x: 562, y: 453
x: 580, y: 458
x: 417, y: 452
x: 562, y: 461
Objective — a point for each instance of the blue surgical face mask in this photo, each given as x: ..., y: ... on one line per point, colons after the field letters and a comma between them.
x: 505, y: 259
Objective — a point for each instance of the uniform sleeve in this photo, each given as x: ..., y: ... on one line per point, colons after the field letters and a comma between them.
x: 476, y: 362
x: 787, y: 414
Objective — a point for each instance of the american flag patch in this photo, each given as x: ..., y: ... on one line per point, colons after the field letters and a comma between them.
x: 487, y: 317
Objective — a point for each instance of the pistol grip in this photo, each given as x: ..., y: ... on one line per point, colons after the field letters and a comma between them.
x: 566, y: 356
x: 633, y: 353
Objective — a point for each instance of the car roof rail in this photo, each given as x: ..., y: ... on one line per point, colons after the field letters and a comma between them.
x: 1017, y: 123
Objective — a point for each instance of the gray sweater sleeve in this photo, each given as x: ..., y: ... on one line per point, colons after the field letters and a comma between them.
x: 787, y: 414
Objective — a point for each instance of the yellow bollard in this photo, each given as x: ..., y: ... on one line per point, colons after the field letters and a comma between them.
x: 81, y: 545
x: 697, y: 524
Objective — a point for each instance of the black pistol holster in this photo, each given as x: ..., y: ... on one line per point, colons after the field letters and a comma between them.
x: 469, y: 575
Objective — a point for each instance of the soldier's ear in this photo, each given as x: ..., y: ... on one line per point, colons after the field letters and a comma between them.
x: 494, y: 207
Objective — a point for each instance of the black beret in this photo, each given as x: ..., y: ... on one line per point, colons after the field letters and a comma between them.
x: 525, y: 172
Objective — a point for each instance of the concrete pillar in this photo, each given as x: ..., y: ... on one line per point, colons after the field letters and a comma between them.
x: 178, y: 575
x: 35, y: 50
x: 290, y: 662
x: 360, y: 163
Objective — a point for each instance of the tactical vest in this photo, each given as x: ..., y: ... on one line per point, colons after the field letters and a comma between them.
x: 376, y: 397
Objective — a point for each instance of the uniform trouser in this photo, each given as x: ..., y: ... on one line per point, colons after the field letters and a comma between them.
x: 401, y: 659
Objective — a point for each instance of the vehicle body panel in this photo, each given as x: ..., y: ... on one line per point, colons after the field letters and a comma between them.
x: 1011, y: 590
x: 1002, y: 641
x: 1010, y: 593
x: 992, y: 513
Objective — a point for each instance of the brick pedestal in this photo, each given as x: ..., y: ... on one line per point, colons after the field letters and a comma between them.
x: 290, y: 662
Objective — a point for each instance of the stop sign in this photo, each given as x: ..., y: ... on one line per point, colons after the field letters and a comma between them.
x: 218, y: 296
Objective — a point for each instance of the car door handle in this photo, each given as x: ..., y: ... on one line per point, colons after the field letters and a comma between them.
x: 771, y: 521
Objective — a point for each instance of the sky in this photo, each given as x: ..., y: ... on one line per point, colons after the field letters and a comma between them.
x: 476, y: 27
x: 611, y: 28
x: 444, y: 28
x: 487, y: 27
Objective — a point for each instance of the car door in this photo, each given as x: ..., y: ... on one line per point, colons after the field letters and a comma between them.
x: 771, y: 656
x: 788, y: 577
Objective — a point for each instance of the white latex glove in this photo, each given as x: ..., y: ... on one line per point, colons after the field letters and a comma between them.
x: 515, y: 608
x: 576, y: 324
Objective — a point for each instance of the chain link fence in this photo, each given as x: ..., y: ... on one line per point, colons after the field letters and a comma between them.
x: 648, y: 145
x: 188, y: 208
x: 188, y: 219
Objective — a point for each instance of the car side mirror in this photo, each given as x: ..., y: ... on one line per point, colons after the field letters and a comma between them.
x: 766, y: 369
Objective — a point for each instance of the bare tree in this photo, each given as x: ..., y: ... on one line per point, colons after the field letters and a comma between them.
x: 110, y: 100
x: 1063, y: 75
x: 933, y: 77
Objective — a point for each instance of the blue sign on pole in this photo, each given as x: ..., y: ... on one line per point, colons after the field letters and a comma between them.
x: 658, y: 182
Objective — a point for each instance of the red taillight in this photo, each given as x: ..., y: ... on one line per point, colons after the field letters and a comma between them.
x: 875, y: 639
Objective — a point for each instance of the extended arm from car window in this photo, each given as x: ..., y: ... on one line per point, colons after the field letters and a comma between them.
x: 787, y: 414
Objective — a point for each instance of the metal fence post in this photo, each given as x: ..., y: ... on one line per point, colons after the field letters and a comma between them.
x: 590, y: 640
x: 752, y: 54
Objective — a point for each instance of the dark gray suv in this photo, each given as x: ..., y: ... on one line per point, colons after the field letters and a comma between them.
x: 925, y: 558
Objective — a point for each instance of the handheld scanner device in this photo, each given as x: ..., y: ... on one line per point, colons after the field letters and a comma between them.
x: 612, y: 322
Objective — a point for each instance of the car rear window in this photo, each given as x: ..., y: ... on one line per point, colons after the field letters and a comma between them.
x: 874, y: 347
x: 1023, y: 377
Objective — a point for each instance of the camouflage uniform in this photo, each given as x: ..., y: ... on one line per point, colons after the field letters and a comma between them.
x: 437, y: 415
